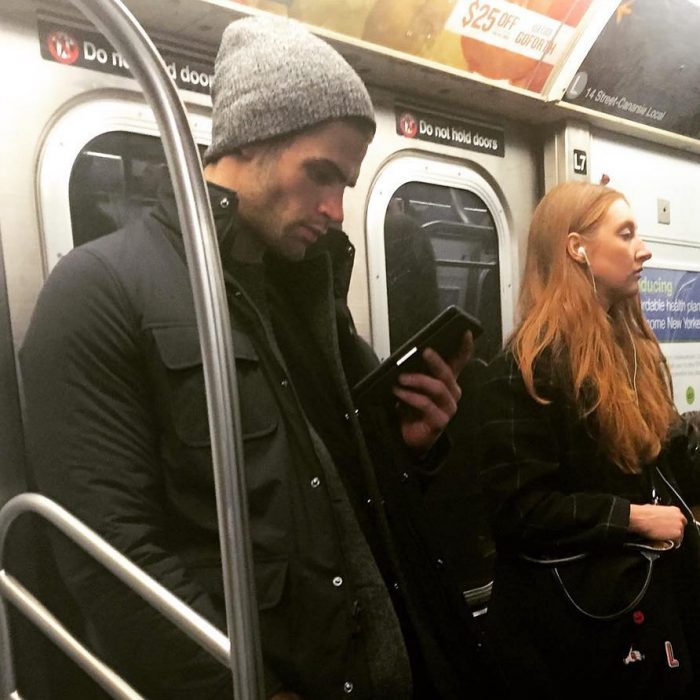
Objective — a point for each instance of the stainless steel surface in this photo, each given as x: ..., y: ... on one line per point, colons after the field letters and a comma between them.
x: 126, y: 35
x: 25, y: 602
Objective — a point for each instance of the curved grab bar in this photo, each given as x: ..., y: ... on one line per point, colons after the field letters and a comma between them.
x: 26, y: 603
x: 127, y: 36
x: 192, y: 624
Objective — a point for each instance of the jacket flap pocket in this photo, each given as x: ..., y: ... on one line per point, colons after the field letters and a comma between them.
x: 243, y: 346
x: 183, y: 391
x: 178, y: 346
x: 270, y: 577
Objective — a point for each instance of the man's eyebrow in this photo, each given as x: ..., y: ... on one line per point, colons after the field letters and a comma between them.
x: 333, y: 168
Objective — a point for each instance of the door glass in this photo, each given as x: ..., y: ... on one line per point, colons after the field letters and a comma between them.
x: 441, y: 248
x: 114, y: 180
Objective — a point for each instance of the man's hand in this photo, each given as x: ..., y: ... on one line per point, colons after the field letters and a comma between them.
x: 428, y: 401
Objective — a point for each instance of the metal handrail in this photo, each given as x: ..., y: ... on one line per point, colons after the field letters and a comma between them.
x: 180, y: 614
x: 127, y: 36
x: 27, y: 604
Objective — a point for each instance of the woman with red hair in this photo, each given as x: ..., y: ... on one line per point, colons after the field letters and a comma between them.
x: 584, y: 461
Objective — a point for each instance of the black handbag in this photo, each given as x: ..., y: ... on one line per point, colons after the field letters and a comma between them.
x: 605, y: 585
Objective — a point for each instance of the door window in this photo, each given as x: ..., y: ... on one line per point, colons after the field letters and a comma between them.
x: 114, y: 180
x: 441, y: 248
x: 99, y: 167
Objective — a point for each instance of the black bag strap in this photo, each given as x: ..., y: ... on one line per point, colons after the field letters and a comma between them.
x: 650, y: 551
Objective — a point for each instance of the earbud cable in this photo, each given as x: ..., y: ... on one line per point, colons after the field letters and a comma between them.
x: 590, y: 272
x: 633, y: 381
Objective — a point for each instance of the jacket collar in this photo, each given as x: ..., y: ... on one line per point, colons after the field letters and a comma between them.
x: 224, y: 203
x: 341, y: 251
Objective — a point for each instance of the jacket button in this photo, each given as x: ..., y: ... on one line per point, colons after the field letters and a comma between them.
x: 355, y: 411
x: 404, y: 477
x: 224, y: 202
x: 338, y: 581
x: 315, y: 482
x: 348, y: 687
x: 237, y: 294
x: 284, y: 383
x: 439, y: 563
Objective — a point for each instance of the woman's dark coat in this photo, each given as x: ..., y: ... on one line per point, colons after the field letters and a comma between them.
x: 552, y: 492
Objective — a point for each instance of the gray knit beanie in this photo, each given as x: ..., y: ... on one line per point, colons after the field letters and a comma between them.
x: 273, y: 77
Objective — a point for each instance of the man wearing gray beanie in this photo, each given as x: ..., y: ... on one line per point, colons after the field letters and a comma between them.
x: 348, y: 595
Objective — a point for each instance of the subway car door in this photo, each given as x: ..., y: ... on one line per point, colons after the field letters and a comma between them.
x: 438, y: 235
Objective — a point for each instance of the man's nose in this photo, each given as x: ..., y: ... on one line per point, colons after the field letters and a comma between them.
x: 331, y: 207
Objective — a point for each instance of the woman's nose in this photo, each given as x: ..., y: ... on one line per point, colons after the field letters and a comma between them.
x: 643, y: 254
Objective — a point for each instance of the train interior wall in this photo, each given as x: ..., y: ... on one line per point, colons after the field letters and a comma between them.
x: 662, y: 186
x: 647, y: 173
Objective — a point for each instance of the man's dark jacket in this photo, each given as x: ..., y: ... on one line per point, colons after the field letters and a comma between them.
x: 118, y: 434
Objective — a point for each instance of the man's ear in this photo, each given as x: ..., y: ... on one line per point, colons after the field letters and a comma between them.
x: 246, y: 153
x: 227, y: 171
x: 574, y: 247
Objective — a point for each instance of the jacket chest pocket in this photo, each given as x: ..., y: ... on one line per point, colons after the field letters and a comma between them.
x: 182, y: 387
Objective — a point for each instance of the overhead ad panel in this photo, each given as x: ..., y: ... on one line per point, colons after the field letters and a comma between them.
x: 645, y: 66
x: 517, y: 42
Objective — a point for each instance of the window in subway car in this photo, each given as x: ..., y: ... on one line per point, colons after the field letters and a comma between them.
x: 441, y: 248
x: 114, y: 180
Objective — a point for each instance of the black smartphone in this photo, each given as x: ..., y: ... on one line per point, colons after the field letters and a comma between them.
x: 443, y: 334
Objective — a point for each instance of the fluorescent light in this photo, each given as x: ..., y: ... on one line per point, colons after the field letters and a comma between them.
x: 96, y: 154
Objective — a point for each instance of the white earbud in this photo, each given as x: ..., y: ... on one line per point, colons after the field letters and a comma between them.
x: 582, y: 251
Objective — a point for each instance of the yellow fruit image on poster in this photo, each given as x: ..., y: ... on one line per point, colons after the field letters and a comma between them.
x: 344, y: 16
x: 518, y: 41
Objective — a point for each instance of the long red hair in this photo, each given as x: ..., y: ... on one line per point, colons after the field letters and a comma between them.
x: 609, y: 360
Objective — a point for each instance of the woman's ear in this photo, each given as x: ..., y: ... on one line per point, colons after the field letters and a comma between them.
x: 574, y: 247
